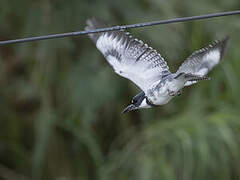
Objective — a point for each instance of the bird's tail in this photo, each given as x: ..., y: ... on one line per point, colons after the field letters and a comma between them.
x: 190, y: 77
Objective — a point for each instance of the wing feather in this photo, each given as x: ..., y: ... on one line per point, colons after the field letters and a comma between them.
x: 129, y: 57
x: 203, y: 60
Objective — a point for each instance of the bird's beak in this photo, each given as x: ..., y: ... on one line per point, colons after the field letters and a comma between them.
x: 129, y: 108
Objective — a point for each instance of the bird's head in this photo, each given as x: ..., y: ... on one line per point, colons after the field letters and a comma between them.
x: 138, y: 102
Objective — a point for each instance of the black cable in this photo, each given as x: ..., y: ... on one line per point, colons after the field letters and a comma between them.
x: 183, y: 19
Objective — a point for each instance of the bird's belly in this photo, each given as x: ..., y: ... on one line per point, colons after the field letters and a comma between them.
x: 160, y: 95
x: 161, y: 100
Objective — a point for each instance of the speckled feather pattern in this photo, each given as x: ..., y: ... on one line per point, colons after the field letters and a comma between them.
x: 133, y: 59
x: 203, y: 60
x: 130, y: 57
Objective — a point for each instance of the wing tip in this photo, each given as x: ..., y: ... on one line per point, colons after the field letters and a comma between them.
x: 222, y: 44
x: 94, y: 23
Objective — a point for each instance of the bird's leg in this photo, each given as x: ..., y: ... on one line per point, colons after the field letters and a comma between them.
x: 171, y: 93
x: 179, y: 93
x: 174, y: 93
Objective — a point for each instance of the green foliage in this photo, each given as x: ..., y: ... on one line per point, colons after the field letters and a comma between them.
x: 60, y: 102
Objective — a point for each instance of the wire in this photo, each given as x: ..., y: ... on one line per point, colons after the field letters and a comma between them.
x: 114, y: 28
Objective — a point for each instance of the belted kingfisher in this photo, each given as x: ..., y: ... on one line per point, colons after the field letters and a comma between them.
x: 133, y: 59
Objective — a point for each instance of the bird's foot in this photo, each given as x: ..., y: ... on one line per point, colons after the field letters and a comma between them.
x: 174, y: 93
x: 179, y: 93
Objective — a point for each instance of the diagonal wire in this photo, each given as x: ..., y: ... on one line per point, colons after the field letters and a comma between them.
x: 114, y: 28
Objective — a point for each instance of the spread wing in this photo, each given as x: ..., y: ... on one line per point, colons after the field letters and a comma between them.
x: 129, y: 57
x: 203, y: 60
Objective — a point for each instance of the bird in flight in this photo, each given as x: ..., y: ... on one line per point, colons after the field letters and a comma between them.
x: 133, y: 59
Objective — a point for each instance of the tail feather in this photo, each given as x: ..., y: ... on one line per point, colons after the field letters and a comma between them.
x: 190, y: 77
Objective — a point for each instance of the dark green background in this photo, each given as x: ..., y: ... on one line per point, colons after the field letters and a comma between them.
x: 61, y: 103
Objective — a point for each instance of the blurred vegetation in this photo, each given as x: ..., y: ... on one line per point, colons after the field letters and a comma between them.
x: 60, y: 102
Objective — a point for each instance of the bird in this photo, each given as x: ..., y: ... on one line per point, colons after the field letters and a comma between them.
x: 133, y: 59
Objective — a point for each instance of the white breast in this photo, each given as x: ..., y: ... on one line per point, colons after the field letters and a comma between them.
x: 175, y: 85
x: 161, y: 100
x: 161, y: 96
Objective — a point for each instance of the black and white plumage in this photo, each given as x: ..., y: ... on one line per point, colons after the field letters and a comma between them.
x: 136, y: 61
